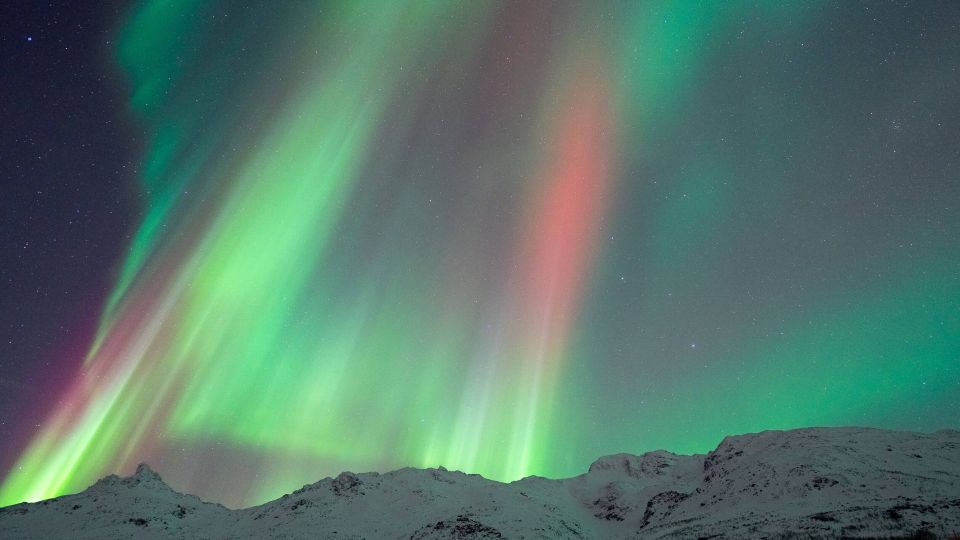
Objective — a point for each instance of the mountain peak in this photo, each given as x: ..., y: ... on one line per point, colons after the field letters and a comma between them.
x: 144, y: 472
x: 143, y: 476
x: 646, y: 465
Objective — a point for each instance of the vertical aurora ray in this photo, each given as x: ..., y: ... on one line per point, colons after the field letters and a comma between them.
x: 554, y: 248
x: 502, y: 238
x: 565, y: 223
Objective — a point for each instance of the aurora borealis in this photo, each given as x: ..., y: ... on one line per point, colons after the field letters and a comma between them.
x: 508, y: 238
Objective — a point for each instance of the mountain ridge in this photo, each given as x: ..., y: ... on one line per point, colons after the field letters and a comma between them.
x: 809, y: 482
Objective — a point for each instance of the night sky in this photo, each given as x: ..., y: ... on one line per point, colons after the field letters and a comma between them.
x: 256, y: 244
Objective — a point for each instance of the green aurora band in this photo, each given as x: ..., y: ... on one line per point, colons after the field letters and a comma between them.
x: 386, y: 234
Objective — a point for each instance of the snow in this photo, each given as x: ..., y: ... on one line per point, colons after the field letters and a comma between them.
x: 817, y: 482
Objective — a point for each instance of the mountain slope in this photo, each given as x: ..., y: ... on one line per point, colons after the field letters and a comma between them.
x: 818, y: 482
x: 138, y: 506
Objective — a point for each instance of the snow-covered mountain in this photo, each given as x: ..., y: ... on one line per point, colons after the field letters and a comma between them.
x: 818, y: 482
